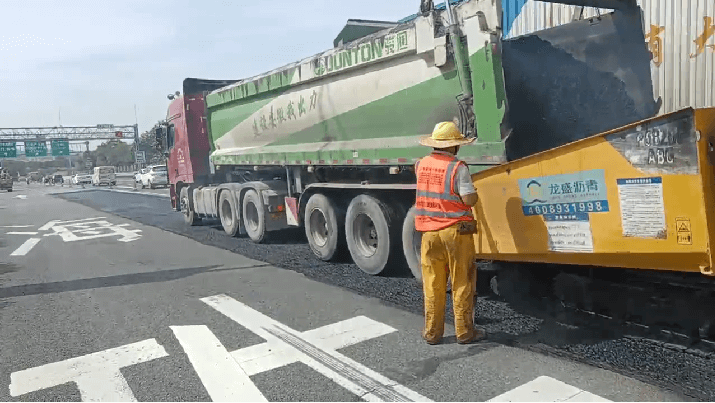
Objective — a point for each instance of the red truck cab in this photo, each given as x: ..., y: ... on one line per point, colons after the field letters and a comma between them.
x: 186, y: 138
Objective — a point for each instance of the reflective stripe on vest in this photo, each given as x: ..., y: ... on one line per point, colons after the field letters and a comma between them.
x: 438, y: 204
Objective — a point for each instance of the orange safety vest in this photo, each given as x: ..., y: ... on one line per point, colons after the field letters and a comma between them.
x: 438, y: 204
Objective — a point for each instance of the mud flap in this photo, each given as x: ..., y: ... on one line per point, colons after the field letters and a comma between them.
x: 291, y: 204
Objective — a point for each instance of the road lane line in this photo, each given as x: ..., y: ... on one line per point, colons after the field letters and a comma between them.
x: 97, y: 375
x: 16, y: 226
x: 26, y: 247
x: 137, y: 193
x: 351, y: 375
x: 22, y: 233
x: 222, y: 376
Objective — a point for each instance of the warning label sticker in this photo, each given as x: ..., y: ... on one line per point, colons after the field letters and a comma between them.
x: 569, y: 232
x: 642, y: 207
x: 684, y: 231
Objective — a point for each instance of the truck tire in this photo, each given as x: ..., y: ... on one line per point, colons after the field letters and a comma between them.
x: 228, y: 213
x: 324, y: 227
x: 254, y: 216
x: 190, y: 216
x: 371, y: 233
x: 412, y: 244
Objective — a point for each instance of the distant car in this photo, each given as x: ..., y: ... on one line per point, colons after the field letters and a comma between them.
x: 34, y: 177
x: 138, y: 175
x: 104, y: 176
x: 58, y: 179
x: 80, y: 179
x: 155, y: 175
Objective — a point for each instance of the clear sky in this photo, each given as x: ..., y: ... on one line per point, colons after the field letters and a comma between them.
x: 90, y: 62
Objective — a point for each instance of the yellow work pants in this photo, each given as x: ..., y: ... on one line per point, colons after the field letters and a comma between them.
x: 440, y: 249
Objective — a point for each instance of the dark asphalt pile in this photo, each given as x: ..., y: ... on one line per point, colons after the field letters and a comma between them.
x: 651, y: 362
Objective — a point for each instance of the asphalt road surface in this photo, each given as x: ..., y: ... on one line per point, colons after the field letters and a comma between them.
x: 110, y: 297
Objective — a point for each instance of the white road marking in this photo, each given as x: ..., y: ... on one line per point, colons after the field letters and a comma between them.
x: 21, y: 197
x: 26, y: 247
x: 22, y: 233
x: 222, y: 376
x: 137, y: 192
x: 53, y: 222
x: 264, y: 357
x: 16, y: 226
x: 97, y: 375
x: 547, y: 389
x: 353, y: 376
x: 84, y: 230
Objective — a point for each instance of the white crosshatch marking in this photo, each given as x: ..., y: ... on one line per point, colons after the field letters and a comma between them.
x: 283, y: 346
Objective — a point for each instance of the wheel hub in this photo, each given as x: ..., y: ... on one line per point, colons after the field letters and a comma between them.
x: 319, y: 227
x: 366, y: 236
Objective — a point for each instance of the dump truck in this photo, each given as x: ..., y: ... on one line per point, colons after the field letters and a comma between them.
x: 329, y: 143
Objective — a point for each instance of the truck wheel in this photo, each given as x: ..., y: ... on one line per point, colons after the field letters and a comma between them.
x: 190, y: 216
x: 228, y: 213
x: 370, y: 233
x: 254, y: 216
x: 412, y: 244
x: 324, y: 227
x: 9, y: 190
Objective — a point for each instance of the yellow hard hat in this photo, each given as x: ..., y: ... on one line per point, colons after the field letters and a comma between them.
x: 445, y: 135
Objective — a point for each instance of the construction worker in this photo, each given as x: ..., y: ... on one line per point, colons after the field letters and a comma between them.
x: 445, y: 196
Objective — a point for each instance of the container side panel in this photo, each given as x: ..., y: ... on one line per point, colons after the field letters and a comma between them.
x: 599, y: 201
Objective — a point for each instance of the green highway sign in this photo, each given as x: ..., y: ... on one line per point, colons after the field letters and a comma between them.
x: 8, y: 150
x: 60, y: 147
x: 35, y: 148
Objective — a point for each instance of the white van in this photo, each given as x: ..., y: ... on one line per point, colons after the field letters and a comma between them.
x: 104, y: 176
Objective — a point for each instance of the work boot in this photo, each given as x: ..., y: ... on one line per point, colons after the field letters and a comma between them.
x: 433, y: 341
x: 475, y: 336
